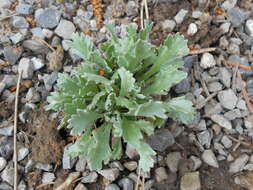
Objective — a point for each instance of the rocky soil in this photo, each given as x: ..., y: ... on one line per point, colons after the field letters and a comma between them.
x: 214, y: 152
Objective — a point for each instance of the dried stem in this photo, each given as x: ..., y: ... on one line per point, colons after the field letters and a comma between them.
x: 241, y: 66
x: 200, y: 51
x: 245, y: 94
x: 15, y: 160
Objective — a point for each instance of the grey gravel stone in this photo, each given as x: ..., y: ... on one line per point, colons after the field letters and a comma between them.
x: 168, y: 25
x: 180, y: 16
x: 47, y: 18
x: 25, y: 9
x: 29, y: 166
x: 22, y: 153
x: 161, y: 140
x: 8, y: 173
x: 241, y: 104
x: 226, y: 141
x: 225, y: 76
x: 233, y: 49
x: 233, y: 114
x: 5, y: 186
x: 149, y: 184
x: 228, y: 99
x: 9, y: 80
x: 7, y: 131
x: 116, y: 164
x: 37, y: 32
x: 184, y: 86
x: 192, y: 29
x: 49, y: 80
x: 225, y: 27
x: 207, y: 61
x: 25, y: 65
x: 190, y: 181
x: 2, y: 87
x: 249, y: 27
x: 65, y: 29
x: 67, y: 161
x: 80, y: 186
x: 131, y: 165
x: 47, y: 33
x: 16, y: 38
x: 5, y: 4
x: 214, y: 86
x: 6, y: 147
x: 89, y: 177
x: 205, y: 138
x: 12, y: 54
x: 209, y: 158
x: 197, y: 162
x: 126, y: 184
x: 238, y: 164
x: 172, y: 161
x: 110, y: 174
x: 237, y: 16
x: 37, y: 63
x: 35, y: 47
x: 44, y: 167
x: 47, y: 177
x: 81, y: 164
x: 222, y: 121
x: 32, y: 95
x: 19, y: 22
x: 228, y: 4
x: 22, y: 185
x: 112, y: 187
x: 3, y: 163
x: 132, y: 8
x: 161, y: 174
x: 196, y: 14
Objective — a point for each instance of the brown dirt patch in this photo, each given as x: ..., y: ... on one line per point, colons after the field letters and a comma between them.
x: 207, y: 34
x: 34, y: 178
x: 6, y: 110
x: 47, y: 145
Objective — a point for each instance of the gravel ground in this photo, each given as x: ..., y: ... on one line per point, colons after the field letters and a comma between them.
x: 213, y: 152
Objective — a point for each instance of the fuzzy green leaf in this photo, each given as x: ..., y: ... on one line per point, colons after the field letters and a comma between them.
x: 101, y: 149
x: 127, y: 81
x: 150, y: 109
x: 82, y: 120
x: 132, y: 135
x: 180, y: 109
x: 165, y: 79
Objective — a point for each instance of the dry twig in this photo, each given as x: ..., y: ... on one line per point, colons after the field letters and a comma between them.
x: 8, y: 16
x: 43, y: 185
x: 202, y: 103
x: 241, y: 66
x: 43, y: 42
x: 15, y: 134
x: 200, y: 51
x: 245, y: 93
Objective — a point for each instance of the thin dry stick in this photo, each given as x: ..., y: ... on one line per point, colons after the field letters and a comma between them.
x: 43, y: 42
x: 239, y: 141
x: 8, y: 16
x: 146, y: 9
x: 241, y: 66
x: 43, y: 185
x: 245, y: 94
x: 141, y: 15
x: 203, y: 103
x: 138, y: 179
x: 235, y: 70
x: 15, y: 135
x: 200, y: 51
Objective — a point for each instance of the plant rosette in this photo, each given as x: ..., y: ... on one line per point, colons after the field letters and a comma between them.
x: 109, y: 99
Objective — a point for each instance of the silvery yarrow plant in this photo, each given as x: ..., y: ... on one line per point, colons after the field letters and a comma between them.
x: 110, y: 98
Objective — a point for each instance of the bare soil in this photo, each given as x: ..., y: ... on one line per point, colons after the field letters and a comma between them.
x: 47, y: 145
